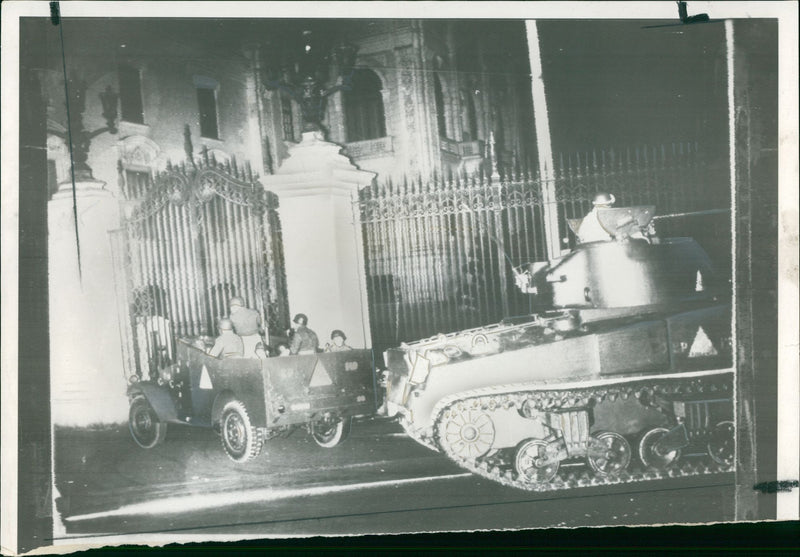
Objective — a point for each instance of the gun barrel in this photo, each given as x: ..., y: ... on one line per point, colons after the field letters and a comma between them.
x: 692, y: 214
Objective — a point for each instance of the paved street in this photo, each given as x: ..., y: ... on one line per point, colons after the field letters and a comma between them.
x: 378, y: 481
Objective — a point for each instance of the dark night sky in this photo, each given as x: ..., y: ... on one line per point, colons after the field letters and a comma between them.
x: 616, y: 83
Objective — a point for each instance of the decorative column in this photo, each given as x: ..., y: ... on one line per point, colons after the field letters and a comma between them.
x: 323, y: 246
x: 87, y: 380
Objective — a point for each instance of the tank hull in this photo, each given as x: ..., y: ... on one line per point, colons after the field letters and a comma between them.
x: 604, y: 352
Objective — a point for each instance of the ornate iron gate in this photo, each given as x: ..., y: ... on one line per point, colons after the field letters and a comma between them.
x: 440, y: 253
x: 193, y: 237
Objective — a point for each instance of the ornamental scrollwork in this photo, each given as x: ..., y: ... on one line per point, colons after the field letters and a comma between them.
x: 438, y: 199
x: 200, y: 184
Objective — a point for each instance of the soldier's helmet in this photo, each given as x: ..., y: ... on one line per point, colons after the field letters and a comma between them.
x: 236, y: 301
x: 225, y: 324
x: 604, y: 199
x: 337, y: 333
x: 300, y: 319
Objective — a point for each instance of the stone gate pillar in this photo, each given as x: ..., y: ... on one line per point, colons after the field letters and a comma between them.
x: 322, y: 239
x: 87, y: 379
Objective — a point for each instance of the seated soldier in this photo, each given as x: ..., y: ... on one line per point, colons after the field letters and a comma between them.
x: 247, y: 324
x: 228, y: 343
x: 338, y: 345
x: 304, y: 340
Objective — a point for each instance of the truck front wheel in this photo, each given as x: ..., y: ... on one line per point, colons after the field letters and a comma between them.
x: 241, y: 441
x: 146, y: 429
x: 329, y: 433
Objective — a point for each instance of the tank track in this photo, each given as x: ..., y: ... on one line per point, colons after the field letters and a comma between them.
x: 498, y: 467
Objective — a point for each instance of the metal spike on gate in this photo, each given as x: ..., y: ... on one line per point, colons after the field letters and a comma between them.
x: 187, y: 143
x: 493, y: 157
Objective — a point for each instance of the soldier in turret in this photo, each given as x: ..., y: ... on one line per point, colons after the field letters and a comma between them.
x: 590, y: 229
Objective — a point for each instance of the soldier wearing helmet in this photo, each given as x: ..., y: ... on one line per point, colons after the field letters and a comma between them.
x: 228, y: 343
x: 590, y: 229
x: 304, y: 340
x: 247, y: 324
x: 338, y: 337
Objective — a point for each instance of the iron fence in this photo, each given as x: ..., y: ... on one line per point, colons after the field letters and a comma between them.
x: 439, y: 253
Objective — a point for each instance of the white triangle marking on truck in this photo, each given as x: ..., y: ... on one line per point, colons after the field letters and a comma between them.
x: 205, y: 379
x: 320, y: 377
x: 702, y: 345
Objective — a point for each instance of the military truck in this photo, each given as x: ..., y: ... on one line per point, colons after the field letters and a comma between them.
x: 250, y: 400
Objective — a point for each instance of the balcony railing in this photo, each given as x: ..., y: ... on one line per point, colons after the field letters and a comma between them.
x: 462, y: 148
x: 369, y: 148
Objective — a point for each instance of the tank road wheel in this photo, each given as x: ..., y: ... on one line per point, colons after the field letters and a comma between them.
x: 145, y: 427
x: 721, y: 443
x: 613, y: 456
x: 466, y: 434
x: 241, y: 441
x: 532, y: 464
x: 329, y: 433
x: 648, y: 454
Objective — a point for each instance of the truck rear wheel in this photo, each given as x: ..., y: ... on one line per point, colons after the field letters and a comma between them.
x: 329, y: 433
x: 145, y: 427
x: 241, y: 441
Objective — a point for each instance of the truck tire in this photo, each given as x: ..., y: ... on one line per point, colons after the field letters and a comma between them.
x: 330, y: 433
x: 241, y: 441
x: 145, y: 427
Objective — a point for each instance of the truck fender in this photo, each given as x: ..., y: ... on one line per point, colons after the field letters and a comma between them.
x: 158, y: 397
x: 219, y: 403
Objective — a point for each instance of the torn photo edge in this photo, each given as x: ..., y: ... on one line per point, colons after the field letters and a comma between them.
x: 23, y: 377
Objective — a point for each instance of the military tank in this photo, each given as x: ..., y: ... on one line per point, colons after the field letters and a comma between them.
x: 625, y: 375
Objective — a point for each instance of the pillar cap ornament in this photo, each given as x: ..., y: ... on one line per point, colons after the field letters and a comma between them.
x: 82, y: 187
x: 315, y: 165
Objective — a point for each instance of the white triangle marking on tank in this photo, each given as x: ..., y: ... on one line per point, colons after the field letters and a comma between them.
x: 702, y: 345
x: 320, y: 377
x: 205, y: 379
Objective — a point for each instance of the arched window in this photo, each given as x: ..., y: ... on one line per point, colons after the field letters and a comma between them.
x: 438, y: 97
x: 207, y: 89
x: 471, y: 133
x: 130, y: 94
x: 363, y: 107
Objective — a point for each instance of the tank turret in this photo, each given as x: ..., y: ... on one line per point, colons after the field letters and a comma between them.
x: 631, y: 352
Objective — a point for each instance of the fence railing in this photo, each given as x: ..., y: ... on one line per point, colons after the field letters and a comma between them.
x: 439, y: 252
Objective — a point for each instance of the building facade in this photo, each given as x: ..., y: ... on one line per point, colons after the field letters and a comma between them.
x: 424, y: 97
